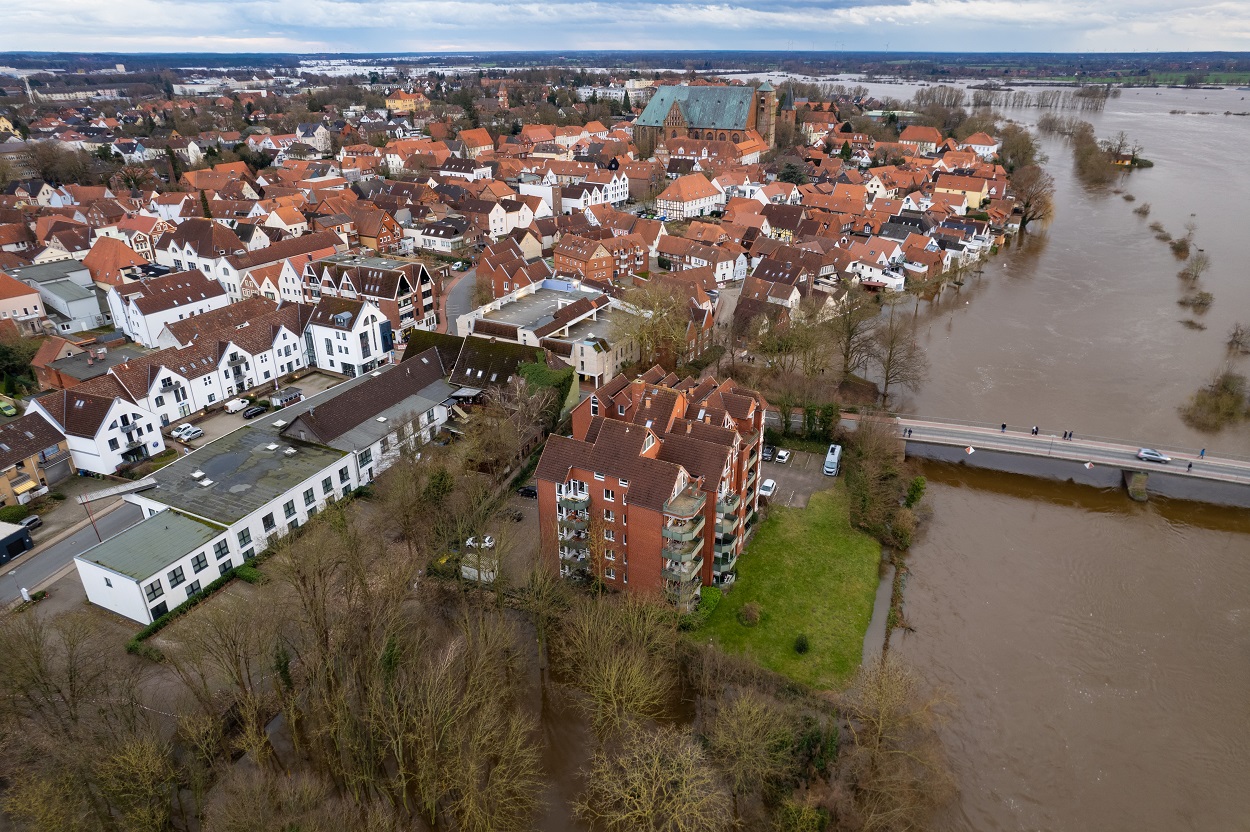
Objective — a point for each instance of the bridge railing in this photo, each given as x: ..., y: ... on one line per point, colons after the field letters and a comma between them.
x: 1088, y: 437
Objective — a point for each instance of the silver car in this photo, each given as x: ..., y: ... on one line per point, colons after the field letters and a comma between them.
x: 1151, y: 455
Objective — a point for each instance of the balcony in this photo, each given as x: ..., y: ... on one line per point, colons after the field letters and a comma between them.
x: 573, y: 522
x: 754, y: 457
x: 725, y: 545
x: 728, y: 503
x: 53, y: 459
x: 131, y: 444
x: 751, y: 479
x: 574, y: 501
x: 724, y: 564
x: 751, y: 440
x: 568, y: 533
x: 573, y: 555
x: 685, y: 572
x: 684, y: 551
x: 684, y: 531
x: 686, y: 504
x: 168, y: 384
x: 237, y: 362
x: 727, y: 526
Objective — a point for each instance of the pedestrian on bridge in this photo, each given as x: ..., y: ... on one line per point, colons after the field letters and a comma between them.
x: 1189, y: 468
x: 1004, y: 430
x: 1202, y: 454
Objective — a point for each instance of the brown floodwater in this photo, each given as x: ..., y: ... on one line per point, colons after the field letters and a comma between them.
x: 1096, y: 653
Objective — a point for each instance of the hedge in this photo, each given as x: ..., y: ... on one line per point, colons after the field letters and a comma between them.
x: 14, y: 514
x: 136, y: 646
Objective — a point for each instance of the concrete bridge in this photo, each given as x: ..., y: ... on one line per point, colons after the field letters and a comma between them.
x: 1090, y: 460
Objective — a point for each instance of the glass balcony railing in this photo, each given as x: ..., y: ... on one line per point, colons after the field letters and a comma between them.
x: 686, y: 504
x: 573, y: 521
x: 724, y: 564
x: 684, y: 531
x: 685, y: 572
x: 576, y: 501
x: 682, y: 550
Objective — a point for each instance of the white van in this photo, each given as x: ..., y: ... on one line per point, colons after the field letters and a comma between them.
x: 235, y: 405
x: 833, y: 460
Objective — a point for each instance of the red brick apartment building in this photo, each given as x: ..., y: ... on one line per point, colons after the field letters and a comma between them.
x: 658, y: 487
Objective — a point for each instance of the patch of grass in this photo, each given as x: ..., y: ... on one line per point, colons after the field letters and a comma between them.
x: 810, y: 574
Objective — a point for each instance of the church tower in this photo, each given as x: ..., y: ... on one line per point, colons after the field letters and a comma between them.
x: 766, y: 113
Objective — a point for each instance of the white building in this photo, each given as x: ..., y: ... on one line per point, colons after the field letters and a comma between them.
x: 143, y: 308
x: 103, y: 428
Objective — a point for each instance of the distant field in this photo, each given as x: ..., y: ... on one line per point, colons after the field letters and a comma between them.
x: 1235, y: 79
x: 811, y: 573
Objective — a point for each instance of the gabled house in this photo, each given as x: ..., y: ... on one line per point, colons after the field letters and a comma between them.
x: 104, y: 429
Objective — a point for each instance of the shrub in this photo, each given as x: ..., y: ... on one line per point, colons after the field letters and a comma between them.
x: 1180, y: 248
x: 13, y: 514
x: 250, y: 574
x: 749, y: 615
x: 801, y: 644
x: 56, y: 495
x: 264, y: 403
x: 1142, y: 210
x: 915, y: 492
x: 1222, y: 402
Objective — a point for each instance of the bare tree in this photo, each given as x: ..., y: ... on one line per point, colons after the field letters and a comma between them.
x: 894, y: 769
x: 1034, y: 190
x: 660, y: 780
x: 658, y: 324
x: 852, y: 327
x: 750, y: 740
x: 898, y: 356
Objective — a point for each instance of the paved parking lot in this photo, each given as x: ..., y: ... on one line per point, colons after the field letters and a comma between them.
x: 220, y: 422
x: 797, y: 479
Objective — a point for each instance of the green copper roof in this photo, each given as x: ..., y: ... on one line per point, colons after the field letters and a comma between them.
x: 766, y: 87
x: 716, y: 108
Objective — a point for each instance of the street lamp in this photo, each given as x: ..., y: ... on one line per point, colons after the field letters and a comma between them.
x: 1052, y: 445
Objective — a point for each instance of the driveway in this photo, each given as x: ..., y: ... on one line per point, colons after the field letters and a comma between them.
x: 459, y: 298
x: 219, y: 423
x: 796, y: 480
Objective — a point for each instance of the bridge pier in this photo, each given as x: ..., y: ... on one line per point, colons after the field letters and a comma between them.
x: 1135, y: 484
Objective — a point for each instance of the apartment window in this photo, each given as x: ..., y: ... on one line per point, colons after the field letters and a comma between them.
x: 160, y: 401
x: 248, y: 554
x: 609, y: 495
x: 610, y: 573
x: 224, y: 567
x: 327, y: 486
x: 193, y: 588
x: 220, y: 549
x: 268, y: 523
x: 154, y: 590
x: 108, y: 581
x: 113, y: 445
x: 288, y: 508
x: 366, y: 456
x: 245, y: 537
x: 199, y: 563
x: 609, y: 554
x: 609, y: 534
x: 609, y: 516
x: 620, y: 410
x: 310, y: 497
x: 594, y: 405
x: 624, y: 483
x: 176, y: 577
x: 344, y: 476
x: 599, y: 477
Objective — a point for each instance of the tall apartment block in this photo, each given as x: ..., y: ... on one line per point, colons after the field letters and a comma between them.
x: 658, y: 487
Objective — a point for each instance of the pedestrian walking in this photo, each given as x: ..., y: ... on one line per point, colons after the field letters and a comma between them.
x: 1065, y: 434
x: 1035, y: 430
x: 1071, y: 435
x: 1202, y: 454
x: 1004, y: 430
x: 1189, y: 468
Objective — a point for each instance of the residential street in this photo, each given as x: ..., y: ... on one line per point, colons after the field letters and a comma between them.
x: 38, y: 568
x: 459, y: 298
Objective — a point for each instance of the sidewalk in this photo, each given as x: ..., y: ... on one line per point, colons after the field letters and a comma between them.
x: 67, y: 514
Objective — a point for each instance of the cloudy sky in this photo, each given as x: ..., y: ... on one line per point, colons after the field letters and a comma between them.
x: 443, y: 25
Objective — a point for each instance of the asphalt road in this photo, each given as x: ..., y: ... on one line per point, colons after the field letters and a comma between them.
x: 47, y: 563
x: 460, y: 299
x: 1078, y: 449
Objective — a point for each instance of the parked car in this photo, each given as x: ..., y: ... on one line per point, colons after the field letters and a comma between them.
x: 1151, y: 455
x: 31, y: 522
x: 783, y: 456
x: 7, y: 409
x: 177, y: 433
x: 768, y: 488
x: 253, y: 412
x: 487, y: 542
x: 191, y: 432
x: 459, y: 266
x: 769, y: 452
x: 528, y: 491
x: 235, y: 405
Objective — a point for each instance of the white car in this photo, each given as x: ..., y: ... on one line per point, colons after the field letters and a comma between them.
x: 187, y: 431
x: 487, y: 542
x: 783, y: 456
x: 768, y: 488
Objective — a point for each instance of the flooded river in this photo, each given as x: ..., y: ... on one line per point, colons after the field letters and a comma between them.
x: 1097, y: 651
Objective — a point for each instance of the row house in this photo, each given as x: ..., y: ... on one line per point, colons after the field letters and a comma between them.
x: 142, y: 308
x: 404, y: 291
x: 232, y: 270
x: 657, y: 488
x: 727, y: 262
x: 34, y: 455
x: 586, y: 259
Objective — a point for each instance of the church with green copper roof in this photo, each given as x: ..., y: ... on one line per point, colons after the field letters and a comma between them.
x: 712, y: 113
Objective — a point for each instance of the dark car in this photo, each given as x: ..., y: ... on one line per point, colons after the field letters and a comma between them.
x: 769, y: 450
x: 253, y: 412
x: 528, y: 491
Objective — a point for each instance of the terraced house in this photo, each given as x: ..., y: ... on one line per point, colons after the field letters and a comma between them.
x: 658, y: 487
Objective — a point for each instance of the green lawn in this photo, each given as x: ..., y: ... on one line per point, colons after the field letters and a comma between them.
x: 811, y: 573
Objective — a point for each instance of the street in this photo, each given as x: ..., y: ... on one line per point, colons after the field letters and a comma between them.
x: 460, y: 298
x: 44, y: 565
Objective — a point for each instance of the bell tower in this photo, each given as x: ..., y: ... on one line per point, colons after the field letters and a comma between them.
x: 766, y: 113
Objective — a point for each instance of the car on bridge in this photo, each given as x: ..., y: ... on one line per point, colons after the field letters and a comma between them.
x: 1151, y: 455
